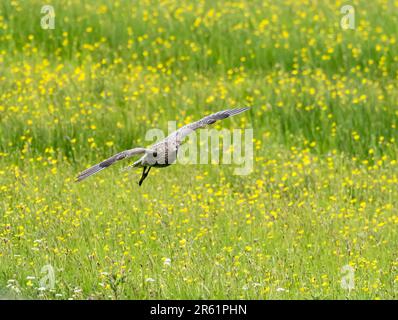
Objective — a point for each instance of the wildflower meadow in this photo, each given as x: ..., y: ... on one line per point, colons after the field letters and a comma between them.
x: 316, y: 215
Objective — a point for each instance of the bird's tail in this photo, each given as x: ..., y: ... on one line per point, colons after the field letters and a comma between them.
x: 136, y: 164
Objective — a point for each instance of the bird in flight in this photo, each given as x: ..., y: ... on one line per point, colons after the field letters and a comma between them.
x: 161, y: 154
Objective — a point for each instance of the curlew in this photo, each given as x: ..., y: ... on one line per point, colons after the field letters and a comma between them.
x: 161, y: 154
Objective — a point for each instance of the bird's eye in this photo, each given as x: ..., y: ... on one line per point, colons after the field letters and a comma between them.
x: 155, y: 154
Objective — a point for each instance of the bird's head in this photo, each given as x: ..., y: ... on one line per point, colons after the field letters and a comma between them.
x: 151, y: 157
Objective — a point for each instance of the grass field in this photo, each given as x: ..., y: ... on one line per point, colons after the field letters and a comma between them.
x: 324, y: 187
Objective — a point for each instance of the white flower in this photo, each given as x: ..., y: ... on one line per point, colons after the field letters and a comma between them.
x: 150, y: 280
x: 167, y: 262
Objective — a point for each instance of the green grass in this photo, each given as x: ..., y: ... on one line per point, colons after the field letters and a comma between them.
x: 323, y: 189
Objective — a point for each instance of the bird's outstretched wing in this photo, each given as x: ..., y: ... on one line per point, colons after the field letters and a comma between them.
x: 106, y: 163
x: 185, y: 130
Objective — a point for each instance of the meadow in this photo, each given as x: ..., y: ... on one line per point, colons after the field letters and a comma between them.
x: 322, y: 196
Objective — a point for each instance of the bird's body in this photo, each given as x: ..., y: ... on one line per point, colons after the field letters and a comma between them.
x: 163, y: 153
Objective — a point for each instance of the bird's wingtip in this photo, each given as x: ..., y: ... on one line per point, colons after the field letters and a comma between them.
x: 239, y: 110
x: 78, y: 178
